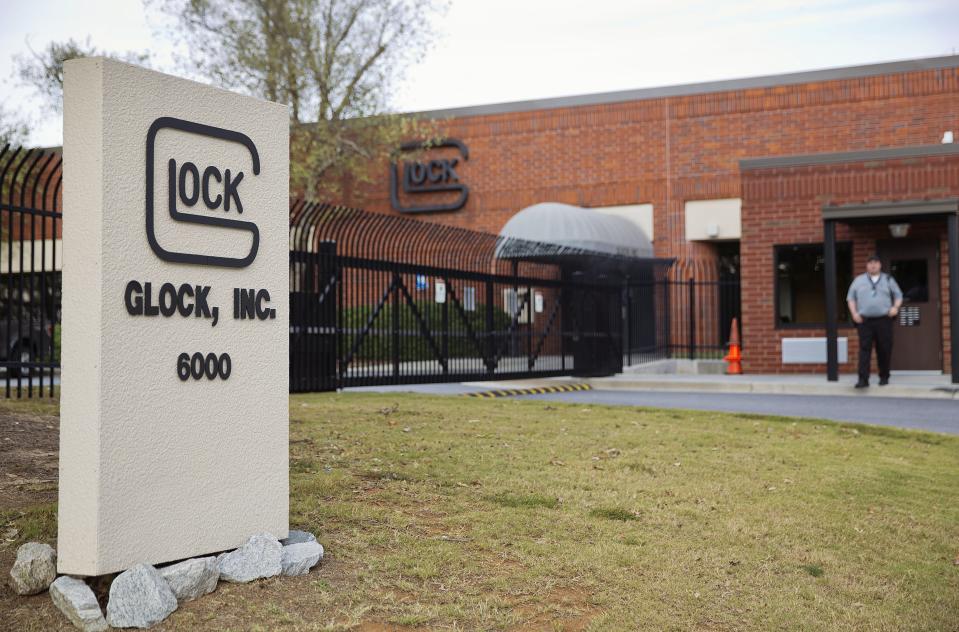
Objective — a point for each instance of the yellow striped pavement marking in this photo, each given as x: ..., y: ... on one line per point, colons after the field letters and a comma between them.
x: 539, y: 390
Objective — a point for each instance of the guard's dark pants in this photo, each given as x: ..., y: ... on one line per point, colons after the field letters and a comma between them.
x: 879, y: 331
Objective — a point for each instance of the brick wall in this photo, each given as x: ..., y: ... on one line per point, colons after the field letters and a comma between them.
x: 784, y: 206
x: 666, y: 151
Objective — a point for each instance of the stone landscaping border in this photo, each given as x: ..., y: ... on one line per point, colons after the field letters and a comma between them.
x: 143, y: 596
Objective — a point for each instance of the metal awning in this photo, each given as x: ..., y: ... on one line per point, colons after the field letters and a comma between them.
x: 554, y: 229
x: 878, y: 211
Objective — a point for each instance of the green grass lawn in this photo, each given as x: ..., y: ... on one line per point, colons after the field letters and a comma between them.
x: 472, y: 514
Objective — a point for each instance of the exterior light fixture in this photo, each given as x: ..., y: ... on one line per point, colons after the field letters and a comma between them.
x: 947, y: 138
x: 898, y: 230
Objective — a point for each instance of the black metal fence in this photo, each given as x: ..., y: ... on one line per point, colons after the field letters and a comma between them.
x: 647, y: 319
x: 702, y: 317
x: 379, y: 299
x: 30, y: 264
x: 678, y: 318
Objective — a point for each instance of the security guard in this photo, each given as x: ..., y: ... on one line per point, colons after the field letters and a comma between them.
x: 874, y: 299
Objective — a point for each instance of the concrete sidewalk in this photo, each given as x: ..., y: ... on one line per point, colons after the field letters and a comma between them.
x: 915, y: 386
x: 910, y: 386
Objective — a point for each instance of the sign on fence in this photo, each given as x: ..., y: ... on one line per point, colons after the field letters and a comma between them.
x: 174, y: 413
x: 469, y: 298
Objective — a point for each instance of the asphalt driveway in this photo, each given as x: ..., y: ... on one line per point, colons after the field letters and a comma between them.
x: 937, y: 415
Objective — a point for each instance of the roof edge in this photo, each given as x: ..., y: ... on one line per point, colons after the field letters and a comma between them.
x: 686, y: 89
x: 896, y: 209
x: 886, y: 153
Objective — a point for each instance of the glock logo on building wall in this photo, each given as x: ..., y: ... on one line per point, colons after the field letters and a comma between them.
x: 435, y: 176
x: 217, y: 187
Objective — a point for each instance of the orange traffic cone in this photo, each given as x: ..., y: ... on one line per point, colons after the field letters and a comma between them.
x: 734, y: 357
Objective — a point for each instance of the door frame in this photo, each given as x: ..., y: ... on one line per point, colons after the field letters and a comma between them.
x: 887, y: 250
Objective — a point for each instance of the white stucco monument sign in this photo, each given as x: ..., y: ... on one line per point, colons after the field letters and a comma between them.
x: 174, y: 414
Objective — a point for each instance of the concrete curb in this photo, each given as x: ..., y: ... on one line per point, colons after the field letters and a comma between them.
x: 770, y: 388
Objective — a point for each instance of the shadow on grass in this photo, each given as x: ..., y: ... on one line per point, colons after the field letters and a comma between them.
x: 388, y: 475
x: 527, y: 501
x: 613, y: 513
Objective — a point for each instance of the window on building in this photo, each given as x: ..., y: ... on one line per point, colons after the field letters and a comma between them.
x: 801, y: 285
x: 912, y: 275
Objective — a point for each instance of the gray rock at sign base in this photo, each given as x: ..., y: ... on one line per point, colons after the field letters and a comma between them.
x: 35, y: 568
x: 297, y: 537
x: 259, y: 557
x: 192, y: 578
x: 139, y: 598
x: 77, y: 602
x: 299, y: 558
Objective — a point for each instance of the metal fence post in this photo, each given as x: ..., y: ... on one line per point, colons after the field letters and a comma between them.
x: 339, y: 347
x: 513, y: 345
x: 445, y: 315
x: 692, y: 318
x: 530, y: 311
x: 395, y: 325
x: 490, y: 335
x: 667, y: 319
x: 626, y: 313
x: 564, y: 307
x: 952, y: 238
x: 329, y: 342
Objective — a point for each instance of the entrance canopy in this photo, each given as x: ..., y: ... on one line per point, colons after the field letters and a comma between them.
x: 552, y: 229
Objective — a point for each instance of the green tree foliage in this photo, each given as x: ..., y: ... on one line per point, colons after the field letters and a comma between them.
x: 13, y: 131
x: 43, y: 70
x: 336, y: 63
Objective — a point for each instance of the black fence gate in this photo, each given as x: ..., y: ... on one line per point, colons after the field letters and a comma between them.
x: 380, y: 299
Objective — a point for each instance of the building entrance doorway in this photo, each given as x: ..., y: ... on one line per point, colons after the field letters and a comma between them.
x: 917, y: 341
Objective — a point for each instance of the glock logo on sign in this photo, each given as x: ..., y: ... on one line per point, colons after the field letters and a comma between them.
x: 430, y: 176
x: 188, y: 185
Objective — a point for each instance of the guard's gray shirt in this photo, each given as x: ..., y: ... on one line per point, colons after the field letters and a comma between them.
x: 874, y: 299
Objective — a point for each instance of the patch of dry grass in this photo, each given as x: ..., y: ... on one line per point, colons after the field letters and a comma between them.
x: 456, y: 513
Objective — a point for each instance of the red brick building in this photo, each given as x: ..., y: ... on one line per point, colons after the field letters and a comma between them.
x: 742, y: 168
